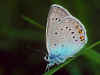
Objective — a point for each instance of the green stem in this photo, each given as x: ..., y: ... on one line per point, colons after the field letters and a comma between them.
x: 93, y: 45
x: 34, y: 22
x: 92, y: 54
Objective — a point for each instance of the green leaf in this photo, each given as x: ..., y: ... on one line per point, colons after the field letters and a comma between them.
x: 92, y: 55
x: 74, y: 69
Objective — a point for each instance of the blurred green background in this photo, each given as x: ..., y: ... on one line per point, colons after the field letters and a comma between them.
x: 22, y: 36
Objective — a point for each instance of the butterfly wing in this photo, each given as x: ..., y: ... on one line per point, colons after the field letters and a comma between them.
x: 75, y: 35
x: 55, y: 16
x: 65, y: 35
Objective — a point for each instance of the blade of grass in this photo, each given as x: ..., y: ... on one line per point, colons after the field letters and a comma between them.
x: 92, y: 55
x: 84, y: 50
x: 33, y: 22
x: 93, y: 45
x: 74, y: 69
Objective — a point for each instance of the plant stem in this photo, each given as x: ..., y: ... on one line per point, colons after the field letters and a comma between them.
x: 34, y: 22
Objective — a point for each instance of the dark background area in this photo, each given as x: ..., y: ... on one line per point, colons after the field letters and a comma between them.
x: 22, y: 44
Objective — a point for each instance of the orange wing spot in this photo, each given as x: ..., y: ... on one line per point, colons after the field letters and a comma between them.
x: 75, y: 23
x: 80, y: 31
x: 77, y: 26
x: 82, y: 38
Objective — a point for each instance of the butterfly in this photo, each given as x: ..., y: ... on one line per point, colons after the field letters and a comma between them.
x: 65, y: 35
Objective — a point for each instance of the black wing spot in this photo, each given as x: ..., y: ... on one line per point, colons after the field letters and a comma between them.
x: 57, y: 19
x: 70, y: 29
x: 76, y: 40
x: 55, y: 33
x: 55, y: 44
x: 73, y: 36
x: 62, y: 45
x: 72, y: 32
x: 66, y: 27
x: 61, y: 29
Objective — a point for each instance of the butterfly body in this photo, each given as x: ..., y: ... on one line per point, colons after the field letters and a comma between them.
x: 65, y: 35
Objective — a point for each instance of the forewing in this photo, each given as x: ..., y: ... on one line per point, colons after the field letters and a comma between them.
x: 53, y: 34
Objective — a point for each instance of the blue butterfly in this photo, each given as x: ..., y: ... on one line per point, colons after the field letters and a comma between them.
x: 65, y: 35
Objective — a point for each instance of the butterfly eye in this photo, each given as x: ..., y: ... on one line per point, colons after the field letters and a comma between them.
x: 46, y: 57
